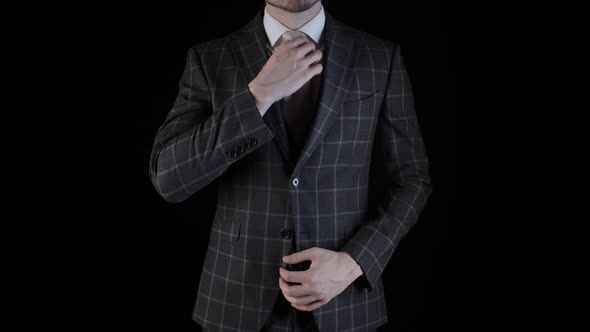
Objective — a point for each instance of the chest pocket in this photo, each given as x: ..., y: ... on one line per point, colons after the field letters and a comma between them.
x: 225, y: 231
x: 358, y: 96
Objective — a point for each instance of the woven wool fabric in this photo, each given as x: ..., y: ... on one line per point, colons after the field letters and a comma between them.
x: 358, y: 185
x: 298, y: 109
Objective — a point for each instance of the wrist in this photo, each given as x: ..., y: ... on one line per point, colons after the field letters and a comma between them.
x: 262, y: 101
x: 356, y: 268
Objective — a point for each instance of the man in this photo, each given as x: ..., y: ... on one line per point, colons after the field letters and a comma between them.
x: 319, y: 164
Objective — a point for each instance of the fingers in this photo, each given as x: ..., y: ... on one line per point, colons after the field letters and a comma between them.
x: 314, y: 70
x: 293, y: 276
x: 293, y: 290
x: 312, y: 58
x: 309, y: 307
x: 304, y: 49
x: 302, y: 300
x: 289, y: 44
x: 295, y: 42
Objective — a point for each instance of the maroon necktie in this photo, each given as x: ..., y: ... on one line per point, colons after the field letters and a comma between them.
x: 299, y: 108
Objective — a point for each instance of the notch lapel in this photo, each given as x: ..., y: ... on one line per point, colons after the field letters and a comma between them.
x: 338, y: 62
x: 248, y: 48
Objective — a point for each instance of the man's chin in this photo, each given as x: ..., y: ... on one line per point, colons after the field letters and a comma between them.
x: 292, y: 9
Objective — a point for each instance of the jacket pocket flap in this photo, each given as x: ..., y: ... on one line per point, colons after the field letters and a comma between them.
x: 359, y: 96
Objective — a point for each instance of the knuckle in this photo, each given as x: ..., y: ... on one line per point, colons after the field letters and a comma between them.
x: 318, y: 292
x: 302, y: 52
x: 294, y: 41
x: 313, y: 280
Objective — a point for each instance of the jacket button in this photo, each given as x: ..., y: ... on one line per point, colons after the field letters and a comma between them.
x: 286, y: 233
x: 253, y: 141
x: 240, y: 148
x: 246, y: 145
x: 233, y: 153
x: 295, y: 182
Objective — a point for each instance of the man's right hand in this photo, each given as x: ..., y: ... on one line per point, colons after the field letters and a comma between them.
x: 293, y: 63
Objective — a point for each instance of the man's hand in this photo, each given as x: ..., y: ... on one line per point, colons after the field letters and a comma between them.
x: 288, y: 68
x: 329, y: 274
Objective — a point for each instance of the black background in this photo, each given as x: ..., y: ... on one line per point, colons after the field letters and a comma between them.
x: 499, y: 88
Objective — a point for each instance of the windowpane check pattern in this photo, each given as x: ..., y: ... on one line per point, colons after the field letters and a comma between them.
x: 358, y: 185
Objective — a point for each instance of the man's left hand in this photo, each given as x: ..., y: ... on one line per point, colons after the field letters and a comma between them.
x: 329, y: 274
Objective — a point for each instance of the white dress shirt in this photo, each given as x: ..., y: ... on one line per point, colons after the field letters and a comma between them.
x: 275, y: 29
x: 298, y: 110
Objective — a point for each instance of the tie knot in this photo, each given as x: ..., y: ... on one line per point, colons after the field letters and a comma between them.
x: 288, y: 35
x: 291, y: 34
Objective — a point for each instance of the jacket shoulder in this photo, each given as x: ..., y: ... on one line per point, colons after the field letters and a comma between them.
x: 374, y: 51
x: 211, y: 46
x: 372, y: 48
x: 367, y: 39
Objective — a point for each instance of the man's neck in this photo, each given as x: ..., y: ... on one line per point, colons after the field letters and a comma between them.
x: 294, y: 21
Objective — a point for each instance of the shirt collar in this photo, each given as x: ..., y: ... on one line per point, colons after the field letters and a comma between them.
x: 275, y: 29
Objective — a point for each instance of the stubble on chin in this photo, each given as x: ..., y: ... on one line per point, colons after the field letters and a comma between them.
x: 295, y: 6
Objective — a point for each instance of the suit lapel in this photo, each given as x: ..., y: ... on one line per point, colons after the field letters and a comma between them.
x: 338, y: 62
x: 340, y: 52
x: 248, y: 48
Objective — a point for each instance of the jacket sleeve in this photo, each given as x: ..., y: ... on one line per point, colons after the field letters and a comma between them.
x: 406, y: 180
x: 198, y: 140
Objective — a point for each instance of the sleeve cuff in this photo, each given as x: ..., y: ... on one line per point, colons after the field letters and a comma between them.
x: 370, y: 275
x: 251, y: 129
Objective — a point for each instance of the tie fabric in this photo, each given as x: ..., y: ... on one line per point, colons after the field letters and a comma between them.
x: 298, y: 109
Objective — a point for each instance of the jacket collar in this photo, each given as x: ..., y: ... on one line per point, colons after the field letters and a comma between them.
x: 274, y: 29
x: 340, y: 52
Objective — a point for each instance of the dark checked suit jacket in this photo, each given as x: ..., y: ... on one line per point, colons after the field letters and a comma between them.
x: 363, y: 175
